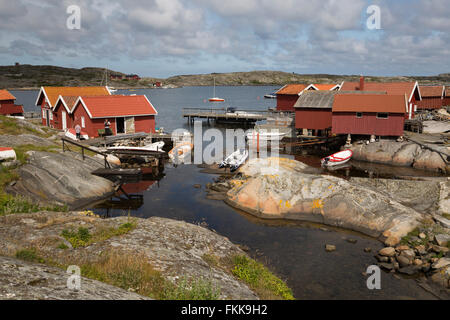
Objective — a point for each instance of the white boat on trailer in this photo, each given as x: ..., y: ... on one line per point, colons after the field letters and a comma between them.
x: 235, y: 160
x: 337, y: 159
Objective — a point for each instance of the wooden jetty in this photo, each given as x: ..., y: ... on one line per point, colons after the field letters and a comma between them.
x: 224, y: 115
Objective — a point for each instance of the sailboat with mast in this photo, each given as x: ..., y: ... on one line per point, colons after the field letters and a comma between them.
x: 215, y: 99
x: 110, y: 89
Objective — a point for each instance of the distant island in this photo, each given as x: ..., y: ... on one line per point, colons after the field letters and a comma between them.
x: 32, y: 77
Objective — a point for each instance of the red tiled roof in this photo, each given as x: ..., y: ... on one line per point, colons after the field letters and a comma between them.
x: 292, y: 89
x: 391, y: 88
x: 369, y: 103
x: 447, y: 92
x: 6, y: 95
x: 52, y: 93
x: 431, y: 91
x: 118, y: 106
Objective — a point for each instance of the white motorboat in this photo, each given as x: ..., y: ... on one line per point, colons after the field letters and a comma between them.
x: 338, y: 158
x: 265, y: 135
x: 157, y: 146
x: 271, y: 96
x: 235, y: 160
x: 181, y: 152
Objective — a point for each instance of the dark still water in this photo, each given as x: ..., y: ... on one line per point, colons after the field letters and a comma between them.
x: 294, y: 251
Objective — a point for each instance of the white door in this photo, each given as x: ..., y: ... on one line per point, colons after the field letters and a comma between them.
x: 64, y: 120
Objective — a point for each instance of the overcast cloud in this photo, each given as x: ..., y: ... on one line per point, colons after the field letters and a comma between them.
x: 161, y: 38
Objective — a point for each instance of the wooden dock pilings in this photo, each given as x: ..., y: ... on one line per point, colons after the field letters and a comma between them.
x: 224, y: 114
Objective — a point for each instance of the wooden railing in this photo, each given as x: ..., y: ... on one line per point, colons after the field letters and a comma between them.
x: 83, y: 147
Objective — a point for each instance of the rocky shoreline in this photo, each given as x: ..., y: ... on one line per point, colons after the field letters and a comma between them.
x: 410, y: 217
x: 174, y: 248
x: 406, y: 154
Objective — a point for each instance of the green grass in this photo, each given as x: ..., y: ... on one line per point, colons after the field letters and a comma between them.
x: 191, y: 289
x: 11, y: 126
x: 260, y: 279
x: 135, y: 273
x: 21, y: 151
x: 29, y: 255
x: 83, y: 238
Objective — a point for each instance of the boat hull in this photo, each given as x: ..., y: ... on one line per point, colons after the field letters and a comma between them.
x: 337, y: 159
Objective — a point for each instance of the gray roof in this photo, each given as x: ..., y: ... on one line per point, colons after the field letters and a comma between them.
x: 316, y: 99
x: 324, y: 99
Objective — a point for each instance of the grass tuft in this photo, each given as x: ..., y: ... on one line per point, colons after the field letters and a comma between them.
x: 260, y: 279
x: 134, y: 273
x: 83, y: 238
x: 29, y: 255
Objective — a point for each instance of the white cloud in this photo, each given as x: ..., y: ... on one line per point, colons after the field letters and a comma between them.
x: 317, y: 36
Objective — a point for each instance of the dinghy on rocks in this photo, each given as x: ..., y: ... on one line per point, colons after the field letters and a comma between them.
x: 71, y: 134
x: 235, y: 160
x: 7, y: 154
x: 337, y: 159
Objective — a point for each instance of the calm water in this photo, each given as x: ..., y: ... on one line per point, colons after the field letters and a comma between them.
x: 294, y: 251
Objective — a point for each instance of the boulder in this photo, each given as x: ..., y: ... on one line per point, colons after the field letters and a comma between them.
x: 284, y: 191
x: 442, y: 239
x: 387, y: 252
x: 441, y: 263
x: 429, y: 160
x: 406, y: 154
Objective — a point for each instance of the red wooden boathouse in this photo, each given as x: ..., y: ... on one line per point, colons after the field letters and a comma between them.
x: 127, y: 114
x: 48, y: 96
x: 8, y: 106
x: 369, y: 114
x: 432, y: 97
x: 411, y: 89
x: 446, y: 101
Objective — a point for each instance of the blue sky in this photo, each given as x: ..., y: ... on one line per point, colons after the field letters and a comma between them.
x: 161, y: 38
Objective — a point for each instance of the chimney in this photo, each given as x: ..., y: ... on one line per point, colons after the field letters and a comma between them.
x: 361, y: 83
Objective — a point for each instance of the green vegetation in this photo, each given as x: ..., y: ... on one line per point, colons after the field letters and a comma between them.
x: 83, y: 238
x: 29, y: 255
x: 63, y: 246
x: 446, y: 215
x: 410, y: 239
x: 134, y: 273
x: 11, y: 126
x: 260, y: 279
x: 23, y: 149
x: 189, y: 289
x: 211, y: 259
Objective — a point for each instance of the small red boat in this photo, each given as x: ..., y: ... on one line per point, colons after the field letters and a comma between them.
x: 337, y: 158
